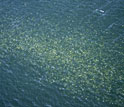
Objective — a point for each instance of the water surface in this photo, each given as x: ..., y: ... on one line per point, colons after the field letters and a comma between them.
x: 67, y: 53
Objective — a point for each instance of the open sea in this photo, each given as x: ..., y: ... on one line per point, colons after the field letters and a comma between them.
x: 61, y: 53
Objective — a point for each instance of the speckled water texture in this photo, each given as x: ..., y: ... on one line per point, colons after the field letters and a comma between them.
x: 61, y: 53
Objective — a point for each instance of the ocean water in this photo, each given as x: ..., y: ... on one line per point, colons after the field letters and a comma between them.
x: 61, y: 53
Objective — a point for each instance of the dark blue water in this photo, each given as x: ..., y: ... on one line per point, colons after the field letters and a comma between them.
x: 61, y: 53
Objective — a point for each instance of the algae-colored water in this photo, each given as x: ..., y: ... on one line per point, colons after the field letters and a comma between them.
x: 66, y: 53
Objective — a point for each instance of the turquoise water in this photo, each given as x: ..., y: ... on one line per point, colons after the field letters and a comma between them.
x: 61, y: 53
